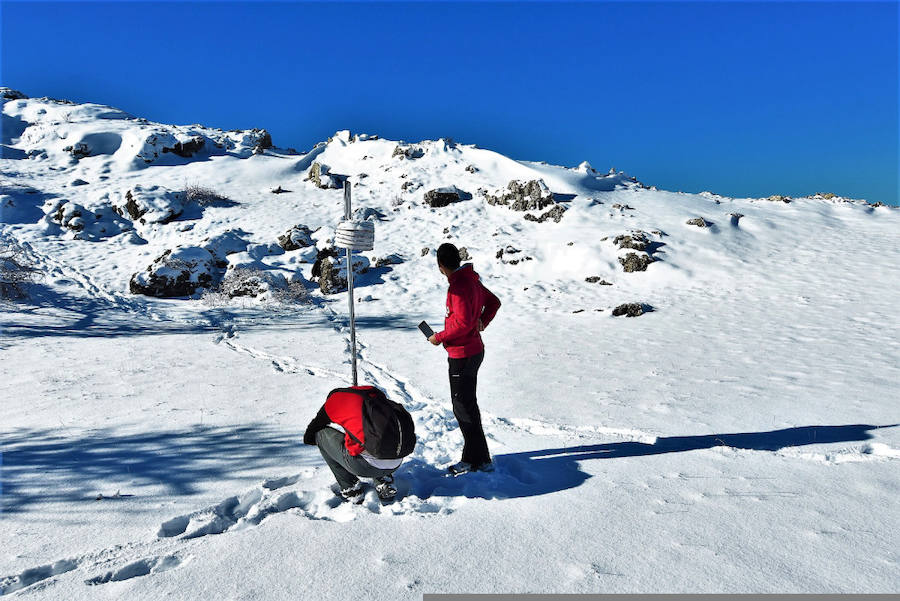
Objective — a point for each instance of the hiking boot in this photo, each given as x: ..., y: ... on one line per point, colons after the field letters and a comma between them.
x: 354, y: 494
x: 461, y: 467
x: 384, y: 486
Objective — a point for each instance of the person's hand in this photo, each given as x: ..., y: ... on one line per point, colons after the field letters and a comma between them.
x: 480, y: 326
x: 433, y: 339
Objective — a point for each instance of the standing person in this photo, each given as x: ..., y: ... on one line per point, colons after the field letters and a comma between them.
x: 470, y: 308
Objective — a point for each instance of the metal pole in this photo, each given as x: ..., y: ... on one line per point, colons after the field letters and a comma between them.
x: 350, y: 286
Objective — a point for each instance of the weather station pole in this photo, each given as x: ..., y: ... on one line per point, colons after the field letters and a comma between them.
x: 353, y: 236
x: 347, y: 215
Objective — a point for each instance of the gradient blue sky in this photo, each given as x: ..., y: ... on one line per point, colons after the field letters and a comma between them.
x: 740, y: 98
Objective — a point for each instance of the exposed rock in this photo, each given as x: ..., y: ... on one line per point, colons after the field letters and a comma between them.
x: 79, y: 150
x: 333, y: 273
x: 279, y: 190
x: 622, y: 207
x: 636, y: 240
x: 441, y: 197
x: 631, y: 309
x: 296, y: 238
x: 391, y: 259
x: 504, y: 253
x: 153, y: 204
x: 596, y: 279
x: 406, y: 186
x: 779, y: 198
x: 464, y: 254
x: 186, y: 149
x: 10, y: 94
x: 408, y: 152
x: 78, y: 182
x: 322, y: 254
x: 86, y: 224
x: 699, y: 222
x: 634, y: 262
x: 425, y: 251
x: 533, y: 195
x: 556, y: 214
x: 263, y: 140
x: 320, y: 176
x: 471, y: 168
x: 735, y: 218
x: 178, y: 272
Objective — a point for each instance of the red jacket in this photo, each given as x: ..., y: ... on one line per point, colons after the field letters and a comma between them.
x: 344, y: 409
x: 467, y: 302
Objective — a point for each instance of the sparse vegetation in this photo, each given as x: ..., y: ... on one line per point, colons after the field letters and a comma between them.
x: 16, y: 271
x: 203, y: 196
x: 256, y: 283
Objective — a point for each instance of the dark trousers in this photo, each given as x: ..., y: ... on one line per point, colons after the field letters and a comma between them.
x: 344, y: 466
x: 463, y: 382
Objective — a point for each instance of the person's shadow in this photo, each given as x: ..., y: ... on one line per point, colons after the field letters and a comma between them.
x: 532, y: 473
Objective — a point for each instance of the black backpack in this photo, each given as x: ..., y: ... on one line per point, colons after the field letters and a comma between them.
x: 387, y: 426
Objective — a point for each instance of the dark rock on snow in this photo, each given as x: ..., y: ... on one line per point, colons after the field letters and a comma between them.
x: 533, y: 195
x: 556, y: 214
x: 295, y: 238
x: 635, y: 262
x: 631, y: 310
x: 442, y: 197
x: 187, y: 149
x: 596, y: 279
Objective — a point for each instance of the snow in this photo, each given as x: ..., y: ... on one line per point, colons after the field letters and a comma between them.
x: 740, y: 437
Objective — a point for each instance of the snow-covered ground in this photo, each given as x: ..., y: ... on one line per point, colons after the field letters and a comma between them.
x: 741, y: 436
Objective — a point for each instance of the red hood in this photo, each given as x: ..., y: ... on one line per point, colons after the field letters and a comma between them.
x: 465, y: 273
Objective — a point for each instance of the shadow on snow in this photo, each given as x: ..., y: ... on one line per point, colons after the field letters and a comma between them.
x: 532, y: 473
x: 44, y: 466
x: 51, y: 313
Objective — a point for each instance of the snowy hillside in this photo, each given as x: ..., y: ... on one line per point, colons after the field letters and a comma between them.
x: 738, y: 434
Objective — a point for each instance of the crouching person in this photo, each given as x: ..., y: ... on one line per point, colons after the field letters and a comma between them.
x: 374, y: 436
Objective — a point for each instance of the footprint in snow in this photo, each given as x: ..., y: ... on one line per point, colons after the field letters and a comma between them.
x: 141, y: 567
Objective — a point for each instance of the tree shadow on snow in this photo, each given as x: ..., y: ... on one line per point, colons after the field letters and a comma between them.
x: 51, y: 313
x: 533, y: 473
x: 41, y: 467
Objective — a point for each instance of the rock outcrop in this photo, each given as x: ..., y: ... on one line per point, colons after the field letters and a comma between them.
x: 320, y: 175
x: 188, y: 148
x: 631, y: 310
x: 408, y: 152
x: 533, y: 195
x: 176, y: 273
x: 299, y: 236
x: 153, y: 204
x: 332, y: 273
x: 91, y: 224
x: 442, y: 197
x: 635, y: 262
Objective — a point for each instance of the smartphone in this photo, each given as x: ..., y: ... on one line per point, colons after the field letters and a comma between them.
x: 426, y: 329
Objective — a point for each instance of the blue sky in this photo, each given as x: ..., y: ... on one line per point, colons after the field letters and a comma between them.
x: 740, y: 98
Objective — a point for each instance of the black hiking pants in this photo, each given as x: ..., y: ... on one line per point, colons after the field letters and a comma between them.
x: 344, y: 466
x: 463, y: 382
